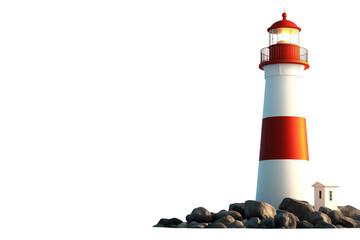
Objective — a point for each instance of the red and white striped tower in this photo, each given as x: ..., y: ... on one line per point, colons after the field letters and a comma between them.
x: 283, y: 152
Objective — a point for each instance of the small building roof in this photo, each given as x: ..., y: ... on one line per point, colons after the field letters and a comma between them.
x: 325, y: 184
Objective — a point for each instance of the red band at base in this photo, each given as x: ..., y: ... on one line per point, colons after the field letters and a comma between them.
x: 284, y: 138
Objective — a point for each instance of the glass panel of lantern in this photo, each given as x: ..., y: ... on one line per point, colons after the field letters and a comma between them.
x: 284, y: 35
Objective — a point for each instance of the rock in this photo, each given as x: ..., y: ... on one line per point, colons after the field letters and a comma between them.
x: 267, y: 223
x: 239, y: 207
x: 287, y: 220
x: 197, y: 226
x: 322, y: 224
x: 280, y: 211
x: 244, y: 221
x: 350, y: 211
x: 236, y: 215
x: 338, y: 218
x: 339, y: 226
x: 259, y: 209
x: 226, y: 220
x: 158, y: 225
x: 236, y: 224
x: 200, y: 215
x: 301, y: 209
x: 303, y: 224
x: 217, y: 225
x: 325, y: 210
x: 316, y: 217
x: 194, y: 224
x: 165, y: 222
x: 213, y: 216
x: 252, y: 222
x: 358, y: 223
x: 188, y: 218
x: 183, y: 225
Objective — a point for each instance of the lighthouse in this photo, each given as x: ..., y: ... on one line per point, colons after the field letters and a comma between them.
x: 284, y: 154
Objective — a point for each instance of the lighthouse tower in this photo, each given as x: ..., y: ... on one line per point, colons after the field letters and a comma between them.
x: 284, y: 154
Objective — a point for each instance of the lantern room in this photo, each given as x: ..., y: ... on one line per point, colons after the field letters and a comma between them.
x: 284, y: 45
x: 284, y: 31
x: 284, y: 35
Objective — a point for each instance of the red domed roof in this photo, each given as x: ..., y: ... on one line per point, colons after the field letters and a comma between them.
x: 284, y: 24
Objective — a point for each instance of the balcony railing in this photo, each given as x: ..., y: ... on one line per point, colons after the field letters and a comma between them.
x: 284, y: 52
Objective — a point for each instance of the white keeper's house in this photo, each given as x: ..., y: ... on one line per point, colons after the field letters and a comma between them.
x: 325, y: 194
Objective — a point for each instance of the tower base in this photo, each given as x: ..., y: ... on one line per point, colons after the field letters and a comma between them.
x: 278, y: 179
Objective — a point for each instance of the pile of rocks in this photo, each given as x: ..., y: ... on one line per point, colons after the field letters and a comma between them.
x: 292, y: 213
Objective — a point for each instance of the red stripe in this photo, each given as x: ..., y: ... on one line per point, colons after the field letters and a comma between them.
x: 284, y: 138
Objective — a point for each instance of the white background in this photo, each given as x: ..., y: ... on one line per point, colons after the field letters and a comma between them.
x: 115, y: 114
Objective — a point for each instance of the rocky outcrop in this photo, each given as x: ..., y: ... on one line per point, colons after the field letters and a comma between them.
x: 322, y: 224
x: 253, y: 222
x: 238, y: 207
x: 350, y: 211
x: 267, y: 223
x: 303, y: 224
x: 217, y: 225
x: 226, y: 220
x: 301, y: 209
x: 317, y: 217
x: 338, y: 218
x: 236, y: 224
x: 165, y: 222
x: 292, y: 213
x: 236, y: 215
x: 199, y: 215
x: 259, y: 209
x: 286, y: 220
x: 325, y: 210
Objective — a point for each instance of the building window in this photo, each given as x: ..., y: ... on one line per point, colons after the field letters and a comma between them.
x: 319, y: 194
x: 330, y: 195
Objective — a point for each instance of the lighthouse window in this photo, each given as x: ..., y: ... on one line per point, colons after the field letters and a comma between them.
x: 330, y: 195
x: 319, y: 194
x: 284, y: 35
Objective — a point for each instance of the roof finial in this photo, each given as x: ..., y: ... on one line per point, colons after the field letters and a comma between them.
x: 284, y: 15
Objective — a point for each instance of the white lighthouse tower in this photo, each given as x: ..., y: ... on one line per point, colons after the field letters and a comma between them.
x: 284, y: 151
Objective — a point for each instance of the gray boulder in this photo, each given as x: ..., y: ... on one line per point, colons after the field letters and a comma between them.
x: 322, y: 224
x: 183, y: 225
x: 226, y: 220
x: 252, y: 222
x: 236, y: 224
x: 350, y: 211
x: 278, y: 211
x: 338, y: 218
x: 239, y: 207
x: 301, y: 209
x: 200, y: 215
x: 317, y: 217
x: 259, y: 209
x: 168, y: 222
x: 303, y: 224
x: 236, y: 215
x: 325, y: 210
x: 194, y: 224
x: 287, y: 220
x: 197, y: 226
x: 358, y: 223
x: 217, y: 225
x: 267, y: 223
